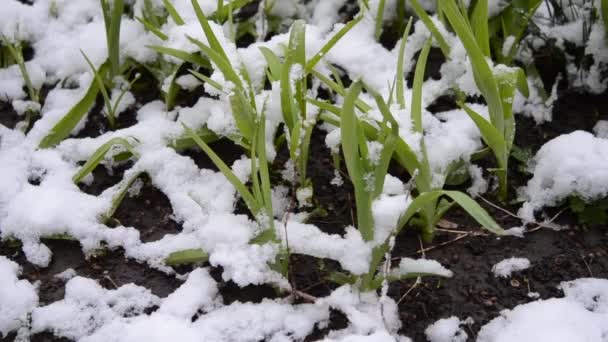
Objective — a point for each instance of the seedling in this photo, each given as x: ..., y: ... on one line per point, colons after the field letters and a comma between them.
x: 498, y: 90
x: 512, y: 24
x: 298, y: 122
x: 15, y: 56
x: 104, y: 77
x: 110, y: 107
x: 100, y: 154
x: 64, y: 127
x: 425, y: 204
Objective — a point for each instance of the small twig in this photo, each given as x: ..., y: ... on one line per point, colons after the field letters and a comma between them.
x: 454, y: 231
x: 587, y: 265
x: 108, y: 278
x: 538, y: 224
x: 500, y: 208
x: 422, y: 251
x: 416, y: 283
x: 421, y: 246
x: 550, y: 221
x: 303, y: 295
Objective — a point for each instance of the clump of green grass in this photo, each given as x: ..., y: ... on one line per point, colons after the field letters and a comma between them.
x: 497, y: 89
x: 497, y: 86
x: 103, y: 79
x: 368, y: 179
x: 511, y: 24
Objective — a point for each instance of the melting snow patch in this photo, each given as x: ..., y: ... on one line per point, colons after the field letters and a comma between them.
x: 504, y: 268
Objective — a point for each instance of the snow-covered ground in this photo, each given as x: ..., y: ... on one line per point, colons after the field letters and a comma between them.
x: 58, y: 30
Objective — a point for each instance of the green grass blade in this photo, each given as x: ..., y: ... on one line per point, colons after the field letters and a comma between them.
x: 120, y: 196
x: 211, y: 38
x: 274, y: 63
x: 379, y: 19
x: 62, y: 129
x: 400, y: 74
x: 193, y: 58
x: 243, y: 115
x: 186, y: 257
x: 150, y: 27
x: 98, y: 156
x: 421, y: 13
x: 220, y: 61
x: 263, y: 169
x: 250, y: 201
x: 388, y: 148
x: 331, y: 43
x: 106, y: 11
x: 173, y: 13
x: 325, y: 106
x: 114, y: 37
x: 469, y: 205
x: 206, y: 79
x: 349, y: 135
x: 185, y: 142
x: 417, y: 87
x: 352, y: 148
x: 491, y: 136
x: 102, y: 88
x: 361, y: 105
x: 297, y: 41
x: 17, y: 55
x: 482, y: 73
x: 479, y: 23
x: 604, y: 10
x: 171, y: 94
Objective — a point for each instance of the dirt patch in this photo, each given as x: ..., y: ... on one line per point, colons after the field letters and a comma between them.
x: 474, y: 291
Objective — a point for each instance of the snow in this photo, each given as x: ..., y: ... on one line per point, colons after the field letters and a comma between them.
x: 580, y: 316
x: 446, y: 330
x: 408, y: 266
x: 505, y: 268
x: 574, y: 164
x: 87, y: 306
x: 17, y: 297
x: 58, y: 30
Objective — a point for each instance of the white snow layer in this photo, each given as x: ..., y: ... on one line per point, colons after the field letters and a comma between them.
x: 17, y: 297
x: 581, y: 316
x: 446, y: 330
x: 58, y: 30
x: 574, y: 164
